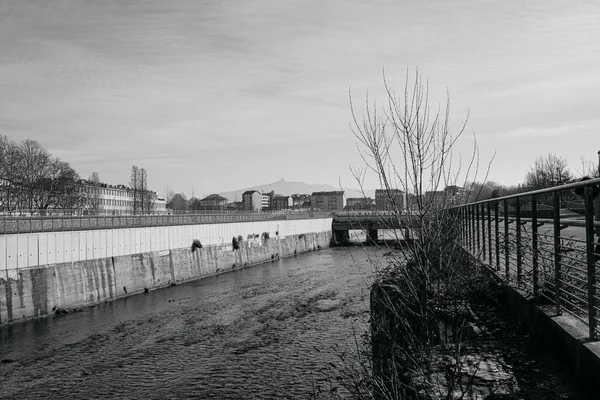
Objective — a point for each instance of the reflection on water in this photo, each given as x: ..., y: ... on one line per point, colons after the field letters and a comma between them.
x: 261, y: 332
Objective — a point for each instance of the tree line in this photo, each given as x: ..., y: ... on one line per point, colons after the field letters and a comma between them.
x: 546, y: 171
x: 33, y: 179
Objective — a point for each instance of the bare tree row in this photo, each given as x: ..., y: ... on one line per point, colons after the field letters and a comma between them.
x: 143, y: 199
x: 547, y: 171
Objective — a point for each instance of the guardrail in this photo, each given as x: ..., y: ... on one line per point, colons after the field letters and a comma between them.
x: 10, y: 224
x: 550, y: 254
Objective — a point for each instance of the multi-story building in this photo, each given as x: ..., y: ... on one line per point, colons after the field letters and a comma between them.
x: 390, y: 200
x: 267, y: 199
x: 213, y: 202
x: 282, y: 202
x: 300, y: 200
x: 444, y: 198
x: 103, y: 197
x: 252, y: 200
x: 360, y: 203
x: 328, y: 200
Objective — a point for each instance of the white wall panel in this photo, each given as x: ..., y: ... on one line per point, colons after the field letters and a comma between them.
x: 137, y: 240
x: 43, y: 249
x: 83, y: 245
x: 110, y: 234
x: 12, y: 251
x: 66, y: 255
x: 3, y: 255
x: 121, y: 242
x: 32, y: 250
x: 90, y: 244
x: 51, y: 246
x: 22, y: 251
x: 101, y: 244
x: 18, y: 251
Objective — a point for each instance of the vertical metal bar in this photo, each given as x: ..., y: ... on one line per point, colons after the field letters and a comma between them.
x: 557, y: 271
x: 477, y: 231
x: 519, y: 244
x: 534, y: 245
x: 489, y: 230
x: 497, y: 234
x: 468, y: 224
x: 591, y: 270
x: 506, y: 250
x: 465, y: 236
x: 483, y: 248
x: 474, y: 228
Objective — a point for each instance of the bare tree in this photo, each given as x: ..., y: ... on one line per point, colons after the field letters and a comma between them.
x: 547, y: 172
x: 94, y: 177
x: 10, y: 182
x: 589, y: 168
x: 147, y: 196
x: 169, y: 193
x: 409, y: 146
x: 134, y: 183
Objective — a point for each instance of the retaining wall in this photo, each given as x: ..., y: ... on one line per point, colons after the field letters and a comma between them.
x: 39, y: 272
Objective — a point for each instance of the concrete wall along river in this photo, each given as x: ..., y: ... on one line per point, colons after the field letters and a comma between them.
x: 46, y: 270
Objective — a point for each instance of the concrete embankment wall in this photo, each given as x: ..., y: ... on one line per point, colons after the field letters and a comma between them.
x: 74, y: 269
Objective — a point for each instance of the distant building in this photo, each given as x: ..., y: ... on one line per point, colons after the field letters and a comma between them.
x: 300, y: 199
x: 360, y: 203
x: 443, y: 198
x: 103, y: 197
x: 282, y: 202
x: 235, y: 206
x: 390, y: 200
x: 213, y: 202
x: 252, y: 200
x: 267, y: 199
x: 328, y: 200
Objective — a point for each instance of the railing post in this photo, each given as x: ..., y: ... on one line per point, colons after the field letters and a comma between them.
x: 519, y: 244
x: 483, y: 248
x: 489, y: 230
x: 556, y: 212
x: 472, y: 223
x: 506, y: 242
x: 534, y: 245
x: 591, y: 270
x: 468, y: 226
x: 477, y: 228
x: 497, y: 234
x: 463, y: 214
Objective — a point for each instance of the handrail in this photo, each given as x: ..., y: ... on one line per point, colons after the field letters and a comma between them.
x: 551, y: 262
x: 589, y: 182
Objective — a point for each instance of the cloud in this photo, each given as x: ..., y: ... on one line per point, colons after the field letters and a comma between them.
x: 548, y: 131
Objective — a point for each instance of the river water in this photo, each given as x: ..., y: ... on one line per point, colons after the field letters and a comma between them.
x: 268, y: 331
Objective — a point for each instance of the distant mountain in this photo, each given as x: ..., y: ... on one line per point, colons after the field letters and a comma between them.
x: 289, y: 188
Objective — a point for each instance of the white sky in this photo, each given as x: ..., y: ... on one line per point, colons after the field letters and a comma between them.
x: 215, y: 95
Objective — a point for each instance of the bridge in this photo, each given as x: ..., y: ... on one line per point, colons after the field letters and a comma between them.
x: 369, y: 221
x: 549, y: 258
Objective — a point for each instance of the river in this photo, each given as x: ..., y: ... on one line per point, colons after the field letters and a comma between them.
x: 278, y: 330
x: 269, y: 331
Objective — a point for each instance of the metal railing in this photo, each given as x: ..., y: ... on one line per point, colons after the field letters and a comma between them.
x: 11, y: 224
x: 549, y: 254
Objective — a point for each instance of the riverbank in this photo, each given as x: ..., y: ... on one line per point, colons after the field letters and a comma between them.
x: 40, y: 291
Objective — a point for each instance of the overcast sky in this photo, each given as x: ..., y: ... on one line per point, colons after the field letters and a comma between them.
x: 215, y: 95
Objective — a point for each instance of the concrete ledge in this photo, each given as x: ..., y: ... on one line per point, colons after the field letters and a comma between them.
x: 565, y: 335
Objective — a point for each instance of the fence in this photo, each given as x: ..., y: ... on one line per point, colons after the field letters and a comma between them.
x: 10, y: 224
x: 552, y: 254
